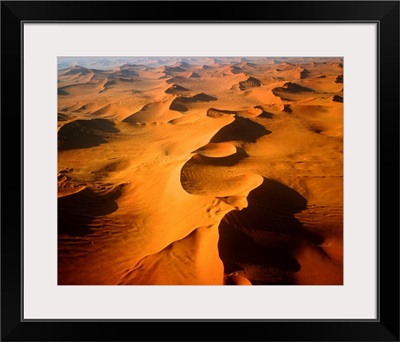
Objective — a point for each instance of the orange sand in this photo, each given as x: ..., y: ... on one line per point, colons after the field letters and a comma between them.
x: 185, y: 172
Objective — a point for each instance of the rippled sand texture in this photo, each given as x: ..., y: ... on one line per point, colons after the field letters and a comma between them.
x: 200, y: 171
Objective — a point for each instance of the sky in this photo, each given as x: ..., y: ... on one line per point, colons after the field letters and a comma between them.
x: 113, y: 62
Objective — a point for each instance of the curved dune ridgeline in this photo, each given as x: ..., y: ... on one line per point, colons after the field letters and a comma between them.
x: 201, y: 171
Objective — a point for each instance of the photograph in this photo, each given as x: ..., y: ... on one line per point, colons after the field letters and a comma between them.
x: 188, y: 171
x: 200, y: 170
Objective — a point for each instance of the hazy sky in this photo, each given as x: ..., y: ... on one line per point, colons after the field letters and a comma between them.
x: 111, y: 62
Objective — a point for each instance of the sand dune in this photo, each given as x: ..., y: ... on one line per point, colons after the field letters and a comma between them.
x: 128, y: 71
x: 74, y: 75
x: 241, y: 129
x: 62, y: 117
x: 76, y: 70
x: 292, y: 91
x: 200, y: 171
x: 236, y: 69
x: 215, y: 113
x: 88, y: 108
x: 84, y: 133
x: 249, y: 83
x: 173, y: 69
x: 201, y: 97
x: 176, y: 89
x: 217, y: 150
x: 62, y: 92
x: 158, y: 111
x: 291, y: 71
x: 182, y: 103
x: 112, y: 110
x: 275, y: 231
x: 83, y: 88
x: 194, y: 75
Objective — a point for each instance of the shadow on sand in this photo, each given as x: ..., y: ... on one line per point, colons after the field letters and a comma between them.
x: 76, y: 212
x: 241, y: 129
x: 84, y: 133
x: 261, y: 240
x: 220, y: 161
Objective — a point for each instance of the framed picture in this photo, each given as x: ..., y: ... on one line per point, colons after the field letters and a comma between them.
x: 230, y: 168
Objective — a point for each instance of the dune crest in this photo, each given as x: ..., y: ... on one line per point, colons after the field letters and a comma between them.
x: 217, y: 150
x: 158, y: 111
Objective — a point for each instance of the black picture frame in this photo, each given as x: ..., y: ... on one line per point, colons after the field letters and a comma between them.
x: 15, y: 13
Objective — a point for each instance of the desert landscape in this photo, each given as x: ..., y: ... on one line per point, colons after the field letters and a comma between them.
x: 200, y: 171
